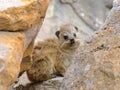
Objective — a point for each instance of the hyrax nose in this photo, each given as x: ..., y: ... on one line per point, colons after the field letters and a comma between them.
x: 72, y: 41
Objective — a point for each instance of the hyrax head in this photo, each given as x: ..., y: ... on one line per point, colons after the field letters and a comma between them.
x: 67, y: 33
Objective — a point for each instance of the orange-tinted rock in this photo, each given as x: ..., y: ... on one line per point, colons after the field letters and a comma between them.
x: 23, y: 17
x: 26, y: 17
x: 11, y: 53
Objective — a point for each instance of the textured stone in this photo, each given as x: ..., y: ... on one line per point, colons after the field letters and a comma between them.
x: 109, y: 3
x: 31, y: 34
x: 11, y: 52
x: 18, y: 44
x: 87, y: 15
x: 57, y: 15
x: 19, y: 12
x: 97, y: 64
x: 52, y: 84
x: 93, y: 17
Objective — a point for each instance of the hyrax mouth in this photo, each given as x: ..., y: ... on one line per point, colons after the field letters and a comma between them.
x: 72, y: 41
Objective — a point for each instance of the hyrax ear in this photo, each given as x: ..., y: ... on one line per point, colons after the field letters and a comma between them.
x: 76, y: 28
x: 57, y: 33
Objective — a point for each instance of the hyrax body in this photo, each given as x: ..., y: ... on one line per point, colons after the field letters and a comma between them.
x: 53, y: 55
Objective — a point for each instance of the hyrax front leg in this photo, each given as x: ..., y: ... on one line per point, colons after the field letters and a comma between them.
x: 40, y: 70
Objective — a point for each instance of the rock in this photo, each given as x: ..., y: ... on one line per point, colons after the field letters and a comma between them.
x: 25, y: 18
x: 109, y: 3
x: 87, y: 15
x: 52, y: 84
x: 88, y: 12
x: 11, y: 52
x: 15, y: 13
x: 57, y: 15
x: 96, y: 65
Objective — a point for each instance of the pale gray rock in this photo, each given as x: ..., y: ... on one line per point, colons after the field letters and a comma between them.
x: 57, y: 15
x: 87, y: 15
x: 96, y: 65
x: 52, y: 84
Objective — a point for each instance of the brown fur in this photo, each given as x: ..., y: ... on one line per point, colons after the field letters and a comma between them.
x: 38, y: 70
x: 53, y: 55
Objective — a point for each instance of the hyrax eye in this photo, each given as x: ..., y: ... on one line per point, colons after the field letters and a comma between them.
x: 74, y: 35
x: 66, y: 37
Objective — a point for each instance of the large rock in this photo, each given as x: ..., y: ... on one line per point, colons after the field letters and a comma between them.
x: 52, y: 84
x: 93, y: 17
x: 57, y: 15
x: 87, y: 15
x: 25, y: 18
x: 97, y: 64
x: 14, y: 13
x: 11, y: 53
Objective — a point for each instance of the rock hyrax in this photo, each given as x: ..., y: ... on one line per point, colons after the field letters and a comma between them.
x: 51, y: 56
